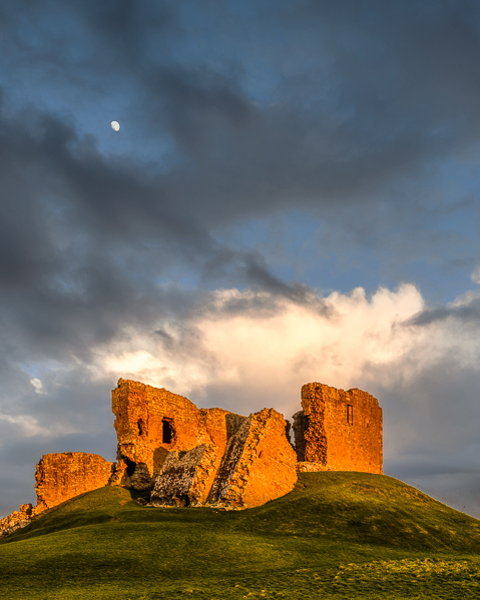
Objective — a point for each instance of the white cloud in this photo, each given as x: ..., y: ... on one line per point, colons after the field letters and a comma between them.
x: 475, y: 275
x: 270, y: 357
x: 29, y: 426
x: 38, y: 385
x: 425, y: 377
x: 232, y: 354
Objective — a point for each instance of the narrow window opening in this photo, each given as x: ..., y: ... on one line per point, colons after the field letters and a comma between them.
x: 141, y: 427
x: 349, y: 414
x: 130, y: 470
x: 167, y: 431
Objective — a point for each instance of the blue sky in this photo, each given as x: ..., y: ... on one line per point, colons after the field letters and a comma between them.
x: 292, y: 196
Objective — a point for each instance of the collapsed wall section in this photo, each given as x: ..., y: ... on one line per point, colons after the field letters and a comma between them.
x: 60, y: 477
x: 186, y: 477
x: 339, y: 430
x: 259, y: 463
x: 151, y: 422
x: 17, y: 520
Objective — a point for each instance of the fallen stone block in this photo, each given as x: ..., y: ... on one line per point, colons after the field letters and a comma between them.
x: 186, y: 477
x: 259, y: 463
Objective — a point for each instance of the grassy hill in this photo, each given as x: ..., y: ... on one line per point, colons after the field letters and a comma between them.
x: 337, y: 535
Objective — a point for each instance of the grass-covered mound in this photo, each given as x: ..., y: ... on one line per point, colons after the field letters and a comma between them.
x: 337, y: 535
x: 366, y: 509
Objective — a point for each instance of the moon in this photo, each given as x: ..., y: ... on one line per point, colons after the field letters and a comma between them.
x: 115, y: 125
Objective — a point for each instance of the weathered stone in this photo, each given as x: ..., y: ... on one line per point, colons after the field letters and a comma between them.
x: 186, y: 477
x: 311, y: 467
x: 152, y: 422
x: 192, y: 455
x: 338, y: 430
x: 210, y: 456
x: 258, y: 465
x: 17, y: 520
x: 60, y: 477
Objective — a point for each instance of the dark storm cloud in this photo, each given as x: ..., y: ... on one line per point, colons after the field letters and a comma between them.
x: 362, y: 98
x: 393, y: 105
x: 467, y: 313
x: 66, y: 213
x: 193, y: 103
x: 258, y: 273
x: 404, y: 89
x: 403, y: 94
x: 369, y: 96
x: 73, y: 223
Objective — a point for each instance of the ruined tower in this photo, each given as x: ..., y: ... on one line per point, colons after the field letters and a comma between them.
x: 338, y: 430
x: 151, y: 422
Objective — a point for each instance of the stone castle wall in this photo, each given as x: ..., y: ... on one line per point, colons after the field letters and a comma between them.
x: 60, y: 477
x: 339, y: 430
x: 152, y: 422
x: 257, y: 465
x: 202, y: 455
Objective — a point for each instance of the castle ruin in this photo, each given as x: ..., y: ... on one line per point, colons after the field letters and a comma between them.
x: 338, y: 430
x: 185, y: 456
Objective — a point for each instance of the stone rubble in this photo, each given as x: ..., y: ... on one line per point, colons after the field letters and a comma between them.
x: 186, y: 477
x: 17, y: 520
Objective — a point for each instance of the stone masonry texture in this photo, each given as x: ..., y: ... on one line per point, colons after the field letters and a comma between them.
x: 152, y: 422
x: 259, y: 463
x: 188, y: 454
x: 186, y: 477
x: 60, y: 477
x: 19, y: 518
x: 338, y: 430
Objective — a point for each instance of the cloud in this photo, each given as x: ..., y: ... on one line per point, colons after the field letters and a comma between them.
x: 244, y: 350
x: 234, y: 155
x: 475, y: 276
x: 269, y: 353
x: 465, y: 310
x: 37, y: 384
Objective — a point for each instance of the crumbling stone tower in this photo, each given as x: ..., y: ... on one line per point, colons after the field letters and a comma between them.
x: 151, y: 422
x: 338, y: 430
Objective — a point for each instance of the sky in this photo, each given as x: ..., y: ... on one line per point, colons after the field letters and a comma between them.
x: 292, y: 196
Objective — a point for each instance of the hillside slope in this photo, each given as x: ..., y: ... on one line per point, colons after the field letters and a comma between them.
x: 366, y: 509
x: 336, y: 535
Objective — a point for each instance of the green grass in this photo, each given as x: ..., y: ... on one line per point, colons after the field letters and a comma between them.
x: 337, y: 535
